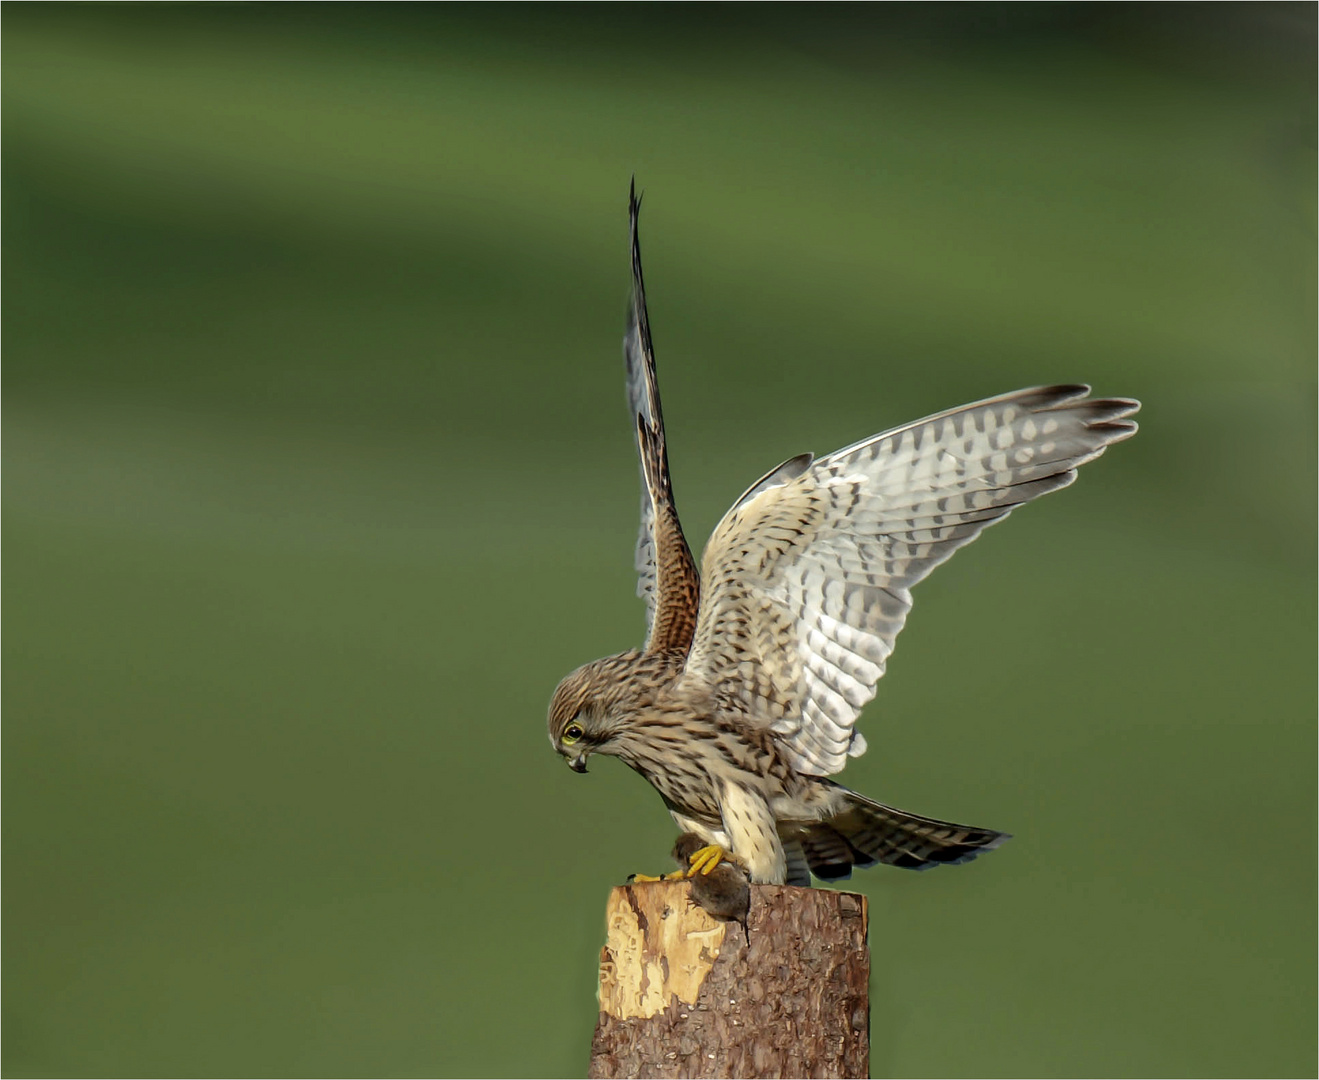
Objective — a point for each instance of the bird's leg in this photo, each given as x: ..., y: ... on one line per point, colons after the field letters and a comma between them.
x: 753, y: 833
x: 705, y: 859
x: 698, y: 854
x: 688, y: 845
x: 641, y: 879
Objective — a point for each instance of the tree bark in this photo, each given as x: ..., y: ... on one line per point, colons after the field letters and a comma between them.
x: 683, y: 994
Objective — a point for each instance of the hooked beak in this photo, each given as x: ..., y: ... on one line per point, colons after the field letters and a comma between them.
x: 578, y: 763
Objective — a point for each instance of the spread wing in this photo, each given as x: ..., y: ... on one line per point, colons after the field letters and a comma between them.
x: 666, y: 571
x: 807, y: 579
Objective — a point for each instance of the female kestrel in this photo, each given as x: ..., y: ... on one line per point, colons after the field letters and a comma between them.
x: 745, y: 696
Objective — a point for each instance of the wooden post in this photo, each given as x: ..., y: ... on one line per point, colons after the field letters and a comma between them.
x: 683, y: 994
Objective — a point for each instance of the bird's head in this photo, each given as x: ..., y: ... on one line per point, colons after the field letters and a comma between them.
x: 592, y: 707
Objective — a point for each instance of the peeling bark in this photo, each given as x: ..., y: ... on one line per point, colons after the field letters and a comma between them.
x: 683, y: 995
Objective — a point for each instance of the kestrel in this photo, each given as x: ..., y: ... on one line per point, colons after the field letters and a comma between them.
x: 744, y: 698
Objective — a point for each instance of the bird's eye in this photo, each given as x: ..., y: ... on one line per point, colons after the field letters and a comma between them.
x: 572, y: 733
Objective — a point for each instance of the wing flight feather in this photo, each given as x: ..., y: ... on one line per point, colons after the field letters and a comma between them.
x: 666, y: 572
x: 807, y: 578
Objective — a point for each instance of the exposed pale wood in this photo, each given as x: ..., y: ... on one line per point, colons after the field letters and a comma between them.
x: 683, y: 995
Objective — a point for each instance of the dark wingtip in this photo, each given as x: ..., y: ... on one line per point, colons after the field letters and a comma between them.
x: 637, y: 309
x: 633, y: 216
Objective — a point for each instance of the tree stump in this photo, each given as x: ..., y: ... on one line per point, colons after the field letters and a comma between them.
x: 683, y: 994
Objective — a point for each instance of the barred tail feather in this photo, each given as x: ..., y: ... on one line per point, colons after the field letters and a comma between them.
x: 799, y: 870
x: 870, y: 832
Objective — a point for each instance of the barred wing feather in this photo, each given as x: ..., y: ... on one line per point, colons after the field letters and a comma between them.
x: 807, y: 579
x: 643, y: 402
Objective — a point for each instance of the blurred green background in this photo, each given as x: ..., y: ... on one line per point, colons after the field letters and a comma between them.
x: 318, y: 477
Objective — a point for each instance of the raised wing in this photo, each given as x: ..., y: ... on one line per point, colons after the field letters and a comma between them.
x: 807, y: 578
x: 666, y: 571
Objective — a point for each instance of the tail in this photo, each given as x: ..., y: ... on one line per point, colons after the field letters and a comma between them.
x: 868, y: 832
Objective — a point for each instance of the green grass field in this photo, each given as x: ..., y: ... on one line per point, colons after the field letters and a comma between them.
x: 318, y: 478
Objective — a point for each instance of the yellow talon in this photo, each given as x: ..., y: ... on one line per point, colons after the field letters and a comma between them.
x: 701, y: 861
x: 706, y: 859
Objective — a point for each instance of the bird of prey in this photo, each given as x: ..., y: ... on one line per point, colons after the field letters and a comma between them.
x: 744, y: 698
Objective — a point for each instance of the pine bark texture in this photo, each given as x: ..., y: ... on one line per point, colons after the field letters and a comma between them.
x: 683, y: 995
